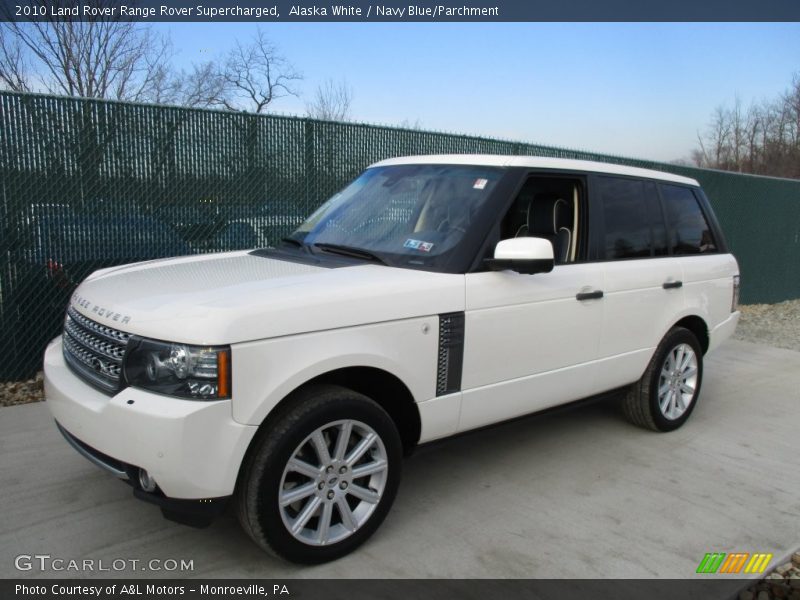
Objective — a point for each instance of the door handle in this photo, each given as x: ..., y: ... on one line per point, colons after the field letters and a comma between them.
x: 671, y: 285
x: 589, y: 295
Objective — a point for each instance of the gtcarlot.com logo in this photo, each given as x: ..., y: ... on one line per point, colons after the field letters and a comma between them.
x: 734, y: 563
x: 46, y: 562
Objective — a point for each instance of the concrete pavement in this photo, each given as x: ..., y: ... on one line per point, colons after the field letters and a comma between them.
x: 579, y: 493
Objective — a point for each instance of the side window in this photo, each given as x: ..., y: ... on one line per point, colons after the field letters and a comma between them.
x: 626, y: 217
x: 689, y: 230
x: 551, y: 208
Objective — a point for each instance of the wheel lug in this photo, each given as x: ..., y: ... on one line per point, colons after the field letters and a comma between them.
x: 330, y: 495
x: 329, y: 470
x: 320, y: 486
x: 343, y: 470
x: 343, y: 485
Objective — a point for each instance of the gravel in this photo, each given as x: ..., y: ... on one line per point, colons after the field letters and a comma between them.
x: 771, y: 324
x: 22, y: 392
x: 783, y: 583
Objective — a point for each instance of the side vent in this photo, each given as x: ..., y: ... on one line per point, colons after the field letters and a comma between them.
x: 451, y: 353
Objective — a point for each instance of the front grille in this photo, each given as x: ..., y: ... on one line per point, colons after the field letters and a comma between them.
x: 94, y: 351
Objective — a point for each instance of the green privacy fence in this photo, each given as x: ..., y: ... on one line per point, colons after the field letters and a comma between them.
x: 87, y: 184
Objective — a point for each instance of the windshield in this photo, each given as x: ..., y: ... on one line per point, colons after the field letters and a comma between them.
x: 403, y: 214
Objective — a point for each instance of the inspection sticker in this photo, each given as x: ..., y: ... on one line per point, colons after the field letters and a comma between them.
x: 480, y: 184
x: 418, y: 245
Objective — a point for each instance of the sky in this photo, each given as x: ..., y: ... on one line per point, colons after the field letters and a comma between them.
x: 642, y: 90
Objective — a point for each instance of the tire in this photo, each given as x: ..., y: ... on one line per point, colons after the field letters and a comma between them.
x: 679, y: 387
x: 352, y: 490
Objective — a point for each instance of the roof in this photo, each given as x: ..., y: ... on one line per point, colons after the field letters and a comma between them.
x: 537, y: 162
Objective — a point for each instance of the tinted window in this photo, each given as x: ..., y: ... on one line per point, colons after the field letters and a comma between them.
x: 660, y: 238
x: 689, y: 230
x: 627, y: 223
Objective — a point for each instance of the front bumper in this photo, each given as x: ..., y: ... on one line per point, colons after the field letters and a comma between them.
x: 197, y: 513
x: 193, y: 449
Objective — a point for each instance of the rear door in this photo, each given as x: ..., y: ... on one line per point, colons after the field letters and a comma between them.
x: 643, y: 281
x: 707, y: 271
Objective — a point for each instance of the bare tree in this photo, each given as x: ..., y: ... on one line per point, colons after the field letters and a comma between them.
x: 714, y: 144
x: 754, y: 124
x: 737, y: 133
x: 409, y: 124
x: 121, y: 60
x: 791, y: 100
x: 92, y: 59
x: 14, y: 70
x: 764, y: 139
x: 331, y: 101
x: 202, y: 87
x: 255, y: 75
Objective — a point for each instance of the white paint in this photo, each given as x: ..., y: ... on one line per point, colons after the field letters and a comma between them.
x: 535, y: 162
x: 529, y: 343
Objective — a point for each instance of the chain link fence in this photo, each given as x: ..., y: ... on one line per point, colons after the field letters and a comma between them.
x: 89, y: 184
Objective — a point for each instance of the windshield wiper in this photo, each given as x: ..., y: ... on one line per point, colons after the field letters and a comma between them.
x: 350, y: 251
x: 293, y: 242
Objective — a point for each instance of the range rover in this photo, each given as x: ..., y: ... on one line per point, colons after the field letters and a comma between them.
x: 431, y: 296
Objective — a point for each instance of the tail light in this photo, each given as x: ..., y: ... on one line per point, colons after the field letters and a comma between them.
x: 735, y: 299
x: 57, y: 273
x: 54, y: 267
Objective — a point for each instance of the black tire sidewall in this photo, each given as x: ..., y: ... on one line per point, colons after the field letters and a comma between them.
x: 269, y: 465
x: 673, y: 339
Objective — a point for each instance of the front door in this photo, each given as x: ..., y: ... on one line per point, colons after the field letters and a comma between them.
x: 531, y: 341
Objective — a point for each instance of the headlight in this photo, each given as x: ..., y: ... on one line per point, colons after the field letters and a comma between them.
x: 195, y: 372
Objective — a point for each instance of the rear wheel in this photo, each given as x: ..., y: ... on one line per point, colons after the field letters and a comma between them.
x: 322, y: 479
x: 665, y: 396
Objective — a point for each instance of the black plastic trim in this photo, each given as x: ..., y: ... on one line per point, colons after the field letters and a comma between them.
x: 301, y: 256
x: 595, y: 295
x: 527, y: 267
x: 711, y: 219
x: 194, y: 513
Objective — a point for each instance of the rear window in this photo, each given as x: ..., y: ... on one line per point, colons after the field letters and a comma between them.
x: 689, y: 232
x: 70, y: 239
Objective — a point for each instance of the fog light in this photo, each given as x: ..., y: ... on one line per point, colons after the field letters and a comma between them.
x: 146, y: 481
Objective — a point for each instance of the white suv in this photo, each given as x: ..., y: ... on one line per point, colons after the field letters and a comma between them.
x: 433, y: 295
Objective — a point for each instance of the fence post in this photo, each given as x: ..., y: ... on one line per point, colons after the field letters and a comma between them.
x: 310, y: 165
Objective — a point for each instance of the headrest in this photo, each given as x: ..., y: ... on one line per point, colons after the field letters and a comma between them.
x: 541, y: 214
x: 562, y: 215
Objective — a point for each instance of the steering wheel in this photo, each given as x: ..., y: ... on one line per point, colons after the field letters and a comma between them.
x: 445, y: 227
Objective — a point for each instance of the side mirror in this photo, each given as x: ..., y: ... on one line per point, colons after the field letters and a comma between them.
x: 524, y: 255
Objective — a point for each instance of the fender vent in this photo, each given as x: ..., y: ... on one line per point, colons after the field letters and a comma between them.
x: 451, y: 353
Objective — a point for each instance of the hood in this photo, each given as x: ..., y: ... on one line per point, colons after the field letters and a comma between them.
x: 237, y: 297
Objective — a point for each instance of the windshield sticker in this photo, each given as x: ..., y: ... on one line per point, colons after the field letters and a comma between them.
x: 418, y: 245
x: 480, y: 184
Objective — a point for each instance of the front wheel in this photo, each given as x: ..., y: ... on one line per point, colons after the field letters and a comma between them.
x: 322, y: 478
x: 666, y: 395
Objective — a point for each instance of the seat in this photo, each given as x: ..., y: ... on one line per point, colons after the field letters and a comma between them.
x: 548, y: 218
x: 521, y: 214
